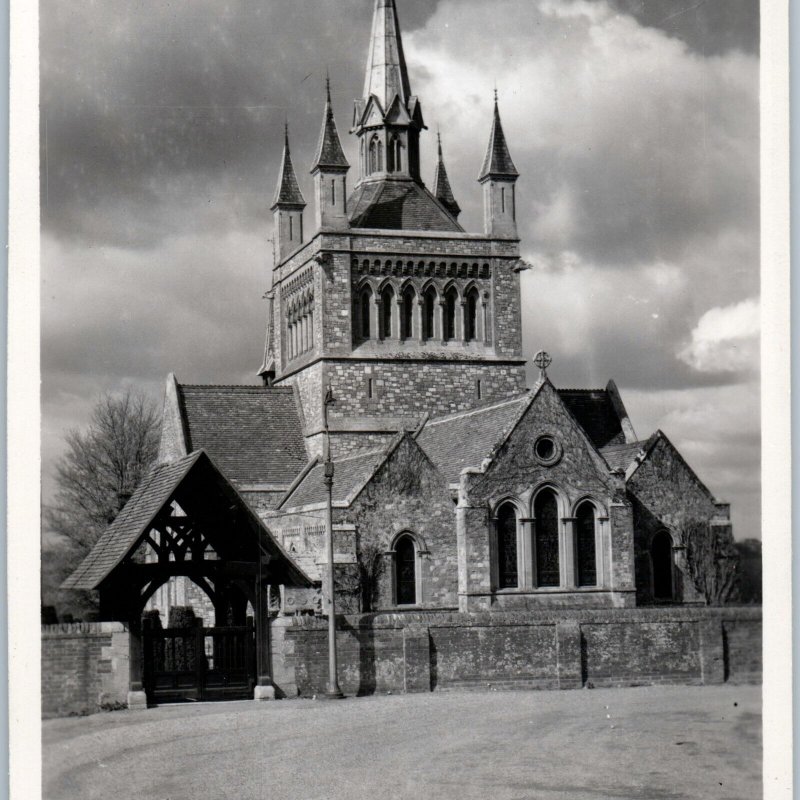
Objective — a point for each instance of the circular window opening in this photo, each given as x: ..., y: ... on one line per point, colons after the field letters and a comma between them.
x: 546, y: 450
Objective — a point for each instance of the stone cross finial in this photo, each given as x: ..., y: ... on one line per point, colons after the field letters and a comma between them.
x: 542, y: 360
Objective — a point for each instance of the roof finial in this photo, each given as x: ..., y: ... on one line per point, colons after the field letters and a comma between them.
x: 542, y: 360
x: 495, y: 92
x: 328, y: 85
x: 286, y: 132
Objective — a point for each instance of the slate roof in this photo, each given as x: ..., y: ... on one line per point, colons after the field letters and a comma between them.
x: 138, y: 513
x: 594, y: 411
x: 349, y: 474
x: 253, y: 433
x: 620, y: 456
x: 465, y: 439
x: 287, y: 192
x: 398, y: 205
x: 497, y: 160
x: 329, y: 147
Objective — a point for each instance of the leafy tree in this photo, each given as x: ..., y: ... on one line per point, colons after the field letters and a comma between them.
x: 102, y: 466
x: 749, y: 551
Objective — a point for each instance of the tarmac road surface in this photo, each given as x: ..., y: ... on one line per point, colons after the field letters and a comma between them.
x: 660, y: 742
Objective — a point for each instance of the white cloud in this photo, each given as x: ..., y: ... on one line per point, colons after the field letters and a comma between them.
x: 726, y: 339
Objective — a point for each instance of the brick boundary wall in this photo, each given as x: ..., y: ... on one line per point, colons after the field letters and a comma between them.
x: 434, y: 651
x: 84, y: 667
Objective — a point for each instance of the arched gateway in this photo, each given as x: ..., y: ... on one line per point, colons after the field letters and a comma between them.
x: 186, y: 519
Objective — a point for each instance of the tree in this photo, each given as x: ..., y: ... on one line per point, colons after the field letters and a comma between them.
x: 749, y: 551
x: 100, y: 469
x: 711, y: 559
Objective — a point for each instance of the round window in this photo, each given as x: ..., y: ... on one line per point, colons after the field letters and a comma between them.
x: 546, y: 449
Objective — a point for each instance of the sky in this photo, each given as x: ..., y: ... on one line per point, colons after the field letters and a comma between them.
x: 634, y: 125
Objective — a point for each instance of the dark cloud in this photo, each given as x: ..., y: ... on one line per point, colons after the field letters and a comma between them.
x: 709, y: 27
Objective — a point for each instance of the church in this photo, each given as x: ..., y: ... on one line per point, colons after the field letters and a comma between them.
x: 394, y: 339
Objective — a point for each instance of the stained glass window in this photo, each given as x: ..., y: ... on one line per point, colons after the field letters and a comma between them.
x: 546, y: 513
x: 585, y: 555
x: 405, y: 564
x: 507, y: 547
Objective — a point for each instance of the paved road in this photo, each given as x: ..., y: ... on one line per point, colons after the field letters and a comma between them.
x: 662, y: 743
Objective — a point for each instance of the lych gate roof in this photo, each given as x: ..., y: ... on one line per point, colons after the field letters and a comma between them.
x: 595, y: 413
x: 192, y: 480
x: 398, y: 205
x: 253, y: 433
x: 145, y: 503
x: 465, y: 439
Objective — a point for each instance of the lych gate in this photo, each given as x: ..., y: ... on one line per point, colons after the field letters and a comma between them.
x: 185, y: 519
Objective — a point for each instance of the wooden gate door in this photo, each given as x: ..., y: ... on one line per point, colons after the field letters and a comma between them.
x: 199, y: 663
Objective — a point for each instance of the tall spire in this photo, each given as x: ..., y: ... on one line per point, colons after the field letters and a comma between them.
x: 442, y: 189
x: 287, y: 192
x: 329, y: 148
x: 497, y: 161
x: 387, y: 74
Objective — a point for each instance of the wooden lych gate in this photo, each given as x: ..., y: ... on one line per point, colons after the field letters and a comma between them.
x: 186, y: 519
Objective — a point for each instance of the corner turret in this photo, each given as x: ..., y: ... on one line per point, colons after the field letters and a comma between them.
x: 498, y: 178
x: 288, y: 204
x: 330, y: 172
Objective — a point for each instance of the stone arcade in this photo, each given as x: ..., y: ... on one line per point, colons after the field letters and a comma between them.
x: 457, y: 489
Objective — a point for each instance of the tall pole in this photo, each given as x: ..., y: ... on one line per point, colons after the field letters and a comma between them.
x: 333, y: 691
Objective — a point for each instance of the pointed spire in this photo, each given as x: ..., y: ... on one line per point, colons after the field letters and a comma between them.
x: 442, y: 189
x: 287, y: 192
x: 497, y: 161
x: 329, y: 149
x: 387, y: 74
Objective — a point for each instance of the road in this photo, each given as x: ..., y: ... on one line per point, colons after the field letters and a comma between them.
x: 662, y: 743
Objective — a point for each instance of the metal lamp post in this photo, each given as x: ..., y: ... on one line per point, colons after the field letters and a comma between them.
x: 333, y: 691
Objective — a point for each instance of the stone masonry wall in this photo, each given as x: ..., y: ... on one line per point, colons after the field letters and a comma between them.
x: 664, y: 489
x: 547, y: 650
x: 408, y: 494
x: 84, y: 667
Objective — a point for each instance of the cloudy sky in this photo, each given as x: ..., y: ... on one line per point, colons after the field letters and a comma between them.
x: 633, y: 123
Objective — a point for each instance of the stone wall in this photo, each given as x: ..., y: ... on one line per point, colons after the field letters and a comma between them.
x: 665, y: 492
x: 569, y: 649
x: 84, y: 667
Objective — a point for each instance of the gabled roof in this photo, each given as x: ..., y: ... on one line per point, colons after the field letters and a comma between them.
x: 351, y: 474
x: 595, y: 412
x: 621, y: 456
x: 287, y: 192
x: 155, y: 494
x: 465, y: 439
x: 138, y: 513
x: 497, y: 161
x: 398, y: 205
x: 329, y: 148
x: 254, y: 433
x: 441, y: 186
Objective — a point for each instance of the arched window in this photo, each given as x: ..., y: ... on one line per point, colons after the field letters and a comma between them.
x: 545, y: 510
x: 390, y: 151
x: 585, y: 548
x: 429, y: 311
x: 405, y: 566
x: 450, y: 301
x: 471, y: 316
x: 507, y: 573
x: 397, y: 154
x: 661, y: 556
x: 365, y: 304
x: 407, y: 316
x: 380, y: 156
x: 374, y: 155
x: 387, y: 301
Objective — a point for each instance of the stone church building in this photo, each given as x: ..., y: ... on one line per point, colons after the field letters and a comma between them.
x: 456, y: 487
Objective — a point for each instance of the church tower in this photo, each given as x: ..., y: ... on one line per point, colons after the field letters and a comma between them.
x: 390, y: 301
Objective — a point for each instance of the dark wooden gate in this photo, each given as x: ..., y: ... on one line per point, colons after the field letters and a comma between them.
x: 199, y: 663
